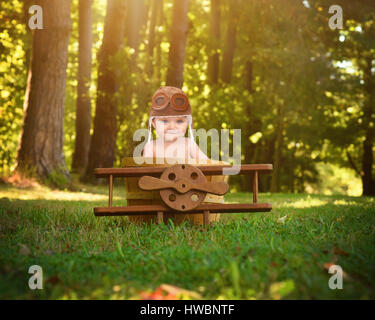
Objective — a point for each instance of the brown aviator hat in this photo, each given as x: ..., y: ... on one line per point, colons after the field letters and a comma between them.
x: 169, y: 101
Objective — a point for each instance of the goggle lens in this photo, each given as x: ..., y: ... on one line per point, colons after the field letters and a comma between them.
x: 160, y: 101
x: 179, y: 102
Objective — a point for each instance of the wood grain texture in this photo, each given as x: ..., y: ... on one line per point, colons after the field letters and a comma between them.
x: 206, y: 218
x: 157, y: 171
x: 182, y: 185
x: 152, y: 209
x: 255, y: 187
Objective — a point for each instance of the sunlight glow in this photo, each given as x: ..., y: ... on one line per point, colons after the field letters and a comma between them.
x: 305, y: 203
x: 45, y: 193
x: 346, y: 65
x: 306, y: 3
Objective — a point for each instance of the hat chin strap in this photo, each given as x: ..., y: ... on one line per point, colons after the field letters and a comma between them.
x: 149, y: 133
x: 190, y: 122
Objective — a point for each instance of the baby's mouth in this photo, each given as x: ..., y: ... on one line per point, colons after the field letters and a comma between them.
x: 172, y: 132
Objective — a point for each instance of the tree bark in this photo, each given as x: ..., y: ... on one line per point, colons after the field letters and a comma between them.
x: 158, y: 45
x: 275, y: 184
x: 230, y: 43
x: 179, y: 30
x: 155, y: 9
x: 134, y: 23
x: 103, y: 141
x: 368, y: 183
x: 214, y: 57
x: 247, y: 129
x: 83, y: 114
x: 41, y: 146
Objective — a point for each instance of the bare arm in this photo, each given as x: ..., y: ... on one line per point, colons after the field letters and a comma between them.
x: 148, y: 150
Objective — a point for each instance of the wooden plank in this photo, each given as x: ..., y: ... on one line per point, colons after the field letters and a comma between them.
x: 110, y: 190
x: 156, y: 171
x: 255, y: 187
x: 153, y: 209
x: 206, y: 218
x: 160, y: 217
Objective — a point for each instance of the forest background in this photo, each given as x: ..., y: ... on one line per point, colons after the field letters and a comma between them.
x: 302, y: 93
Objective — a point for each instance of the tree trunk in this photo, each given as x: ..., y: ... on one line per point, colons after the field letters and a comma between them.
x: 367, y: 161
x: 368, y: 182
x: 230, y: 43
x: 275, y: 185
x: 158, y: 45
x: 152, y: 25
x: 265, y: 154
x: 41, y: 146
x: 179, y: 30
x: 213, y: 58
x: 103, y: 141
x: 247, y: 129
x: 83, y: 115
x: 155, y: 9
x: 134, y: 22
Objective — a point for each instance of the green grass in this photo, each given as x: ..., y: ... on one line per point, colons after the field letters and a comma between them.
x: 244, y: 256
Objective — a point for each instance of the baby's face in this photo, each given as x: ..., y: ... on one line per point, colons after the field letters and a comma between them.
x: 170, y: 129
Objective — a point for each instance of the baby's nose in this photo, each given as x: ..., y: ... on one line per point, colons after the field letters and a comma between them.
x: 171, y: 125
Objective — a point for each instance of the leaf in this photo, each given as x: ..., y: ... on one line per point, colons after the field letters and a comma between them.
x: 340, y: 252
x: 179, y: 291
x: 119, y: 249
x: 282, y: 219
x: 53, y: 280
x: 24, y: 250
x: 169, y: 292
x: 116, y: 288
x: 156, y: 295
x: 279, y: 290
x: 327, y: 265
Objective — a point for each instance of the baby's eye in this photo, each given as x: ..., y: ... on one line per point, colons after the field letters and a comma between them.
x: 164, y: 121
x: 180, y: 121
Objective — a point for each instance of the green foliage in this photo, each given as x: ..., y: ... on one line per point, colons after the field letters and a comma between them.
x: 306, y: 83
x: 342, y: 181
x: 98, y: 14
x: 14, y: 57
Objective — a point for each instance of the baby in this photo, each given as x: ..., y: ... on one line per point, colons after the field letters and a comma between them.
x: 170, y: 115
